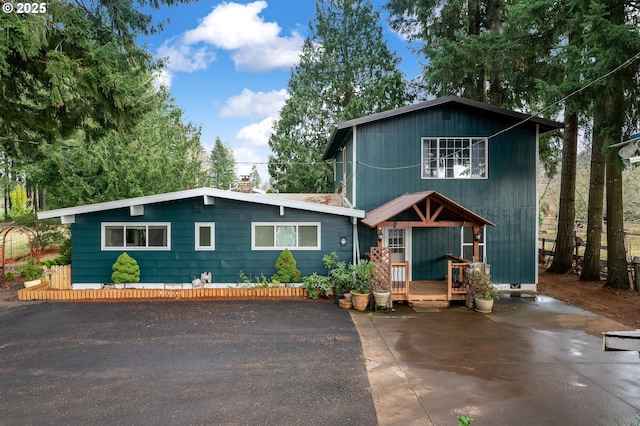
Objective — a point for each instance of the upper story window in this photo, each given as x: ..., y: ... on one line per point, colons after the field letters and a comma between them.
x: 136, y: 236
x: 454, y: 158
x: 205, y: 236
x: 281, y: 235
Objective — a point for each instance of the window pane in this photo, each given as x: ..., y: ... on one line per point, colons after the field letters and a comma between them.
x: 114, y: 236
x: 467, y: 235
x: 136, y: 236
x: 204, y: 236
x: 264, y: 236
x: 157, y: 236
x: 307, y: 236
x: 467, y: 252
x: 285, y: 236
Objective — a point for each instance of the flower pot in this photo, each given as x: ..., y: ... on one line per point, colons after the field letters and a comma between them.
x: 381, y: 298
x: 31, y: 283
x: 345, y: 304
x: 360, y: 301
x: 483, y: 305
x: 347, y: 296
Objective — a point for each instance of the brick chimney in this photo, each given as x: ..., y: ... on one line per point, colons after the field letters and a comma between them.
x: 245, y: 185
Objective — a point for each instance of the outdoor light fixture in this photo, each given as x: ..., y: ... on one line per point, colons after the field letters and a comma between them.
x: 380, y: 236
x: 478, y: 236
x: 343, y: 241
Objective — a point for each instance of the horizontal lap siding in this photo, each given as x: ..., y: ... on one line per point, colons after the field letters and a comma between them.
x: 232, y: 252
x: 389, y: 154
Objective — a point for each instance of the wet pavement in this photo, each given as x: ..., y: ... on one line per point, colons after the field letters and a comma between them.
x: 532, y: 361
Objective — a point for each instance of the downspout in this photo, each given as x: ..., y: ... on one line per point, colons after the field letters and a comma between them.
x: 535, y: 252
x: 354, y: 177
x: 355, y: 256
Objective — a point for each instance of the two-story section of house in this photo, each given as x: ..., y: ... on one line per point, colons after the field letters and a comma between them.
x: 450, y: 175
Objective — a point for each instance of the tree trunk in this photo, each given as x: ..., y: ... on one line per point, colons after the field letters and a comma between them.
x: 591, y: 263
x: 617, y: 275
x: 563, y: 256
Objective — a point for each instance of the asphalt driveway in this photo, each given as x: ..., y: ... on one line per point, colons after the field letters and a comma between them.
x: 210, y: 362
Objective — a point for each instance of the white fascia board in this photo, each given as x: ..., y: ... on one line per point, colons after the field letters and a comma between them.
x: 208, y: 194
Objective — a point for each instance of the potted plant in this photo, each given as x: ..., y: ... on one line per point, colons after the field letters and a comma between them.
x: 360, y: 276
x: 380, y: 289
x: 317, y: 285
x: 31, y: 272
x: 484, y: 291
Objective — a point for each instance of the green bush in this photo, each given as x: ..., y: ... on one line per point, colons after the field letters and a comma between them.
x: 287, y: 271
x: 30, y: 270
x: 125, y: 270
x: 10, y: 276
x: 316, y: 285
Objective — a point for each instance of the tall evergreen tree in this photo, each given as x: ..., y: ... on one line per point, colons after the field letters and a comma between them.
x: 254, y: 177
x: 160, y: 154
x: 345, y: 71
x: 223, y: 168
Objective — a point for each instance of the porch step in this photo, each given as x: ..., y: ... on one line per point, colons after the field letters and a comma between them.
x: 429, y: 305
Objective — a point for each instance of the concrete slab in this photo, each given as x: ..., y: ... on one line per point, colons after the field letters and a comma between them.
x: 532, y: 361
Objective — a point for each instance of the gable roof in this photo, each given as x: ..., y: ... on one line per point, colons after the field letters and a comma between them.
x: 342, y: 129
x: 431, y: 207
x: 208, y: 195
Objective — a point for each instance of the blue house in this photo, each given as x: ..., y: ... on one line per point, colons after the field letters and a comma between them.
x: 449, y: 176
x: 175, y: 237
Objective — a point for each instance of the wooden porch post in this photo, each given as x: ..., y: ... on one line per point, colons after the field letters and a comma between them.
x: 476, y: 245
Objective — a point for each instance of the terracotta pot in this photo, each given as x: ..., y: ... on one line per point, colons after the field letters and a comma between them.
x: 484, y: 305
x: 360, y: 301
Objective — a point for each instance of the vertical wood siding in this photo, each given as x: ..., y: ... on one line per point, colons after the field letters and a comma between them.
x: 232, y: 252
x: 507, y: 197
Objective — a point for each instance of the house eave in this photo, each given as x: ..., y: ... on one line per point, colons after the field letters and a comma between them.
x: 340, y: 131
x: 208, y: 195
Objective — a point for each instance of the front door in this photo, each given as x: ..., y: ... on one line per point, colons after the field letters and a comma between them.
x: 398, y: 239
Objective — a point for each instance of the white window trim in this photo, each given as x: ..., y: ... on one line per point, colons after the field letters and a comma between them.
x: 210, y: 225
x: 483, y: 243
x: 274, y: 224
x: 438, y: 138
x: 103, y: 226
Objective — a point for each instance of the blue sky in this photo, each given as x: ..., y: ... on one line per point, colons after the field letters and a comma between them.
x: 228, y: 65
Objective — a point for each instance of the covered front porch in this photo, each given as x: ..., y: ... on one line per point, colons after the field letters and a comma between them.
x: 419, y: 211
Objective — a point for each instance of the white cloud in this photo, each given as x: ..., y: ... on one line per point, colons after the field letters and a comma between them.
x: 162, y: 78
x: 185, y: 58
x: 251, y: 104
x: 256, y: 44
x: 256, y: 134
x: 180, y: 57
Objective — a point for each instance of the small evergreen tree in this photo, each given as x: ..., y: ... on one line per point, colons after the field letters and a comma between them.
x: 287, y: 268
x: 125, y: 270
x: 20, y: 204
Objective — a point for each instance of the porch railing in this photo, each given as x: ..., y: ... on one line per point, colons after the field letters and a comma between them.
x: 400, y: 280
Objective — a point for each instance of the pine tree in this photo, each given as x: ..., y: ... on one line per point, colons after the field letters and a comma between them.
x: 345, y: 71
x: 223, y: 171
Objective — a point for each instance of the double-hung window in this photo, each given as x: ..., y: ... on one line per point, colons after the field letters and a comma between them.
x: 136, y: 236
x: 281, y: 235
x: 454, y: 158
x: 468, y: 238
x: 205, y: 236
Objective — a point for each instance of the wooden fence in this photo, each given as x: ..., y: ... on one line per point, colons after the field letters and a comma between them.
x: 43, y: 292
x: 58, y: 276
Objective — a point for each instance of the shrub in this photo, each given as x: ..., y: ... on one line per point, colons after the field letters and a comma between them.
x: 316, y: 285
x: 287, y: 268
x: 125, y: 270
x: 30, y: 270
x: 10, y: 276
